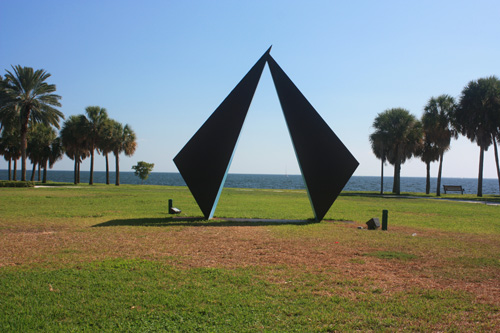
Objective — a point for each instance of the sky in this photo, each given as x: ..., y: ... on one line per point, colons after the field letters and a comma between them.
x: 164, y: 66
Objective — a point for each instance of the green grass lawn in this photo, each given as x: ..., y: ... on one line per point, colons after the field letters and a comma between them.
x: 107, y: 258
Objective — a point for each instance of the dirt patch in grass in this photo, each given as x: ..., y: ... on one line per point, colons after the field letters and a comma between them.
x: 241, y: 246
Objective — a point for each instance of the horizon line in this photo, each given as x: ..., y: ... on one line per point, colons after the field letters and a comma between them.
x: 267, y: 174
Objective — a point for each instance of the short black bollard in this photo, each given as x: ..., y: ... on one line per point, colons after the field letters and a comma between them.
x: 385, y: 217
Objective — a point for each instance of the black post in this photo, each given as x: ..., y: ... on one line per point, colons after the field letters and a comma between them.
x: 385, y: 214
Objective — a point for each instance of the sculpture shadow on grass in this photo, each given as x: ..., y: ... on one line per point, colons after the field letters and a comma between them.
x: 198, y: 222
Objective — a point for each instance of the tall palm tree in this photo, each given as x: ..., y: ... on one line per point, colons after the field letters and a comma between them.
x: 402, y: 134
x: 436, y: 121
x: 32, y: 99
x: 74, y: 140
x: 124, y: 141
x: 477, y: 117
x: 96, y: 117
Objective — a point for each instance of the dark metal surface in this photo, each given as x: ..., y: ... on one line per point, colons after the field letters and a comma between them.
x: 325, y: 162
x: 205, y: 159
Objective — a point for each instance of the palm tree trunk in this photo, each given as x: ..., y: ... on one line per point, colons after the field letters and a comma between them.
x: 44, y: 172
x: 428, y: 178
x: 33, y: 172
x: 117, y: 168
x: 382, y: 176
x: 14, y: 174
x: 496, y: 161
x: 39, y: 167
x: 480, y: 175
x: 78, y: 172
x: 91, y: 178
x: 10, y: 169
x: 76, y: 168
x: 107, y: 169
x: 396, y: 188
x: 438, y: 189
x: 24, y: 143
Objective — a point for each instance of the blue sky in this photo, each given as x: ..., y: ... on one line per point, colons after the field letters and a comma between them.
x: 164, y: 66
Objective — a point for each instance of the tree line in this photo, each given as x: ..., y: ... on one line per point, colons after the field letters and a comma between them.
x: 399, y: 135
x: 29, y: 119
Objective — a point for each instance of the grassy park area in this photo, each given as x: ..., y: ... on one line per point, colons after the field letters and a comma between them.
x: 112, y: 258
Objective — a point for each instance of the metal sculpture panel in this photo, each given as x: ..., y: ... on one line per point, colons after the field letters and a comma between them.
x: 325, y: 163
x: 205, y: 159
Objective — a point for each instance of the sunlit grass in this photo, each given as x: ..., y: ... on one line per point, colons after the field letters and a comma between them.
x: 144, y: 295
x: 112, y: 258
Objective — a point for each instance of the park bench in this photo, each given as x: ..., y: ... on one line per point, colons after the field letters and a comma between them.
x: 456, y: 188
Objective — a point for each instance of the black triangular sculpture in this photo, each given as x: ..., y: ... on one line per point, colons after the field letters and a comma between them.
x: 205, y: 159
x: 324, y: 161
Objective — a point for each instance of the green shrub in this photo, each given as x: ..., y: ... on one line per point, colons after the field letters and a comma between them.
x: 11, y: 183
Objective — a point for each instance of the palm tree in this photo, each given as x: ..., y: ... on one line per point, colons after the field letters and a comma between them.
x: 106, y: 143
x: 4, y: 151
x: 9, y: 139
x: 402, y: 135
x: 16, y: 154
x: 96, y: 118
x: 123, y: 141
x: 43, y: 146
x: 7, y: 114
x: 10, y: 147
x: 54, y: 153
x: 495, y: 148
x: 36, y: 141
x: 477, y: 117
x: 4, y: 99
x: 74, y: 140
x: 428, y: 153
x: 32, y: 99
x: 438, y: 129
x: 380, y: 145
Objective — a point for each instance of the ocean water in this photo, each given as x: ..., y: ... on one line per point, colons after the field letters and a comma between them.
x: 356, y: 183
